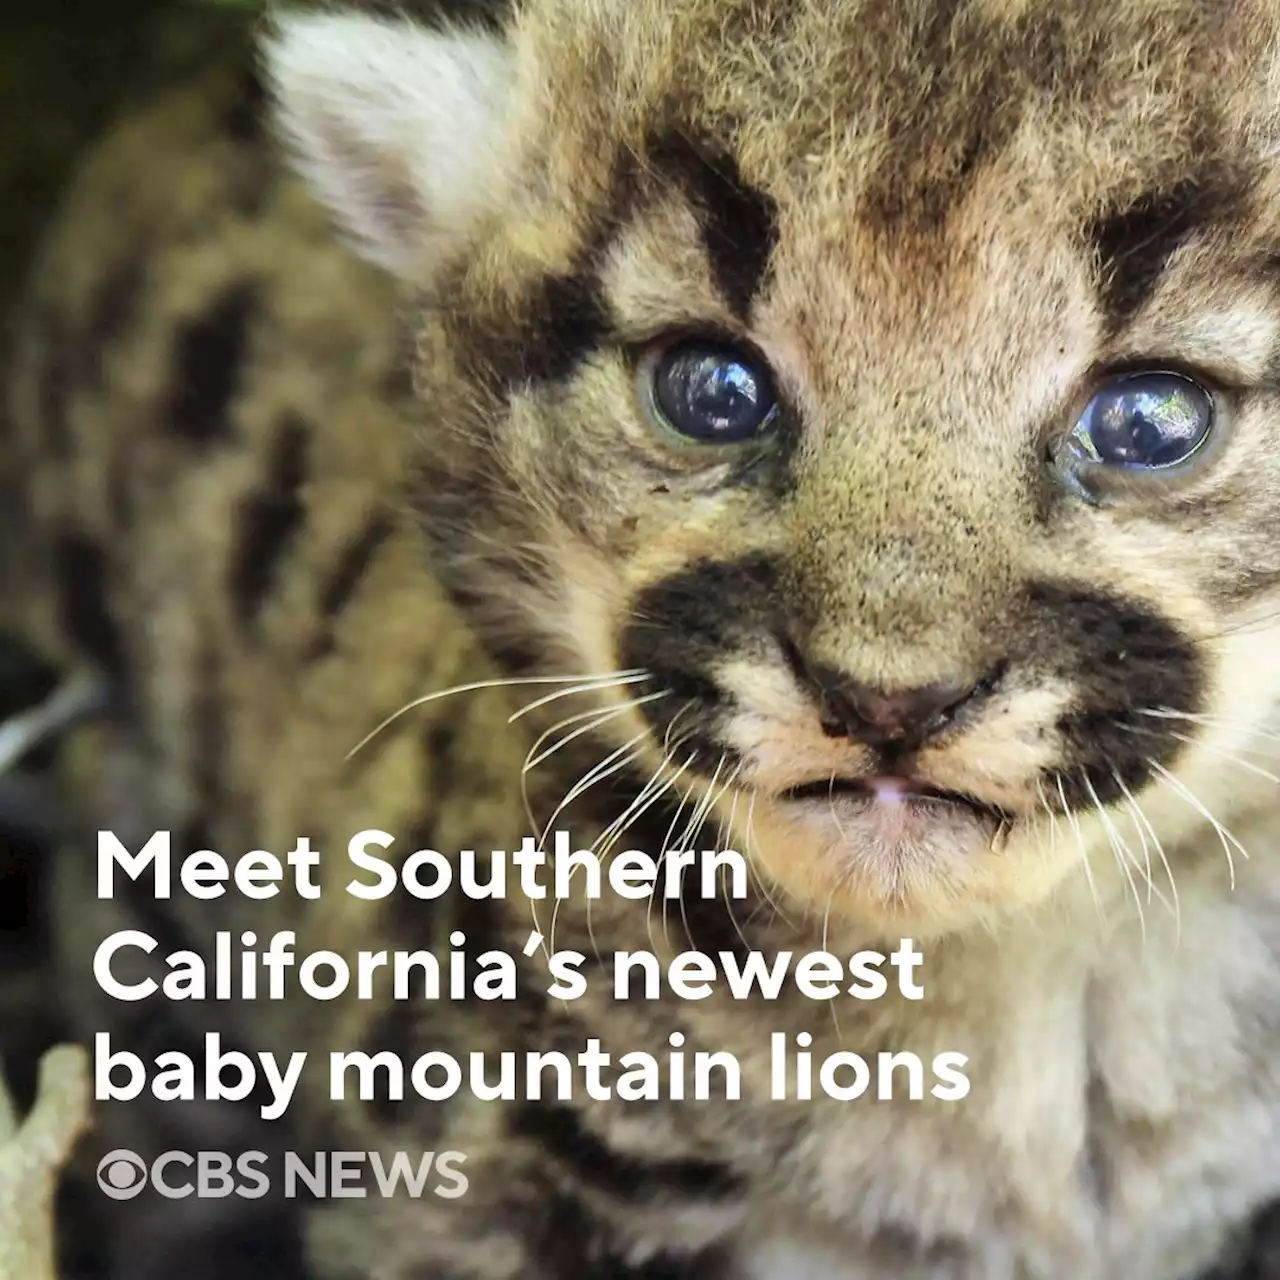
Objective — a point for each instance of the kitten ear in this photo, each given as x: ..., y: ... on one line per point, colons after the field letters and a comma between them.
x: 395, y: 127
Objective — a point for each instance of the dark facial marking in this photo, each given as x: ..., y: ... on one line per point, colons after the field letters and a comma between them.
x: 1134, y: 244
x: 81, y: 574
x: 560, y: 319
x: 563, y: 318
x: 1121, y: 657
x: 269, y: 520
x: 208, y: 354
x: 682, y: 627
x: 960, y: 92
x: 739, y: 222
x: 683, y: 624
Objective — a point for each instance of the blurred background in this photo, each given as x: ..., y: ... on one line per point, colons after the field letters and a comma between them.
x: 66, y: 68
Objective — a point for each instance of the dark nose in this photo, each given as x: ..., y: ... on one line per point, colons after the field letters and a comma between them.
x: 897, y: 719
x: 904, y: 719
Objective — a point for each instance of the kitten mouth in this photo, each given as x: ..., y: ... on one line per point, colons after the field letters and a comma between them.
x: 890, y: 790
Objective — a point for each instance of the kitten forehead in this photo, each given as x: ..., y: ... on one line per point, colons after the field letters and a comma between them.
x: 903, y: 94
x: 882, y: 134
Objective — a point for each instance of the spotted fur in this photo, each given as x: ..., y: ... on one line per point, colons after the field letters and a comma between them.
x: 941, y: 225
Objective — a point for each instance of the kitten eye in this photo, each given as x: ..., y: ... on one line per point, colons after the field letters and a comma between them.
x: 711, y: 393
x: 1143, y: 422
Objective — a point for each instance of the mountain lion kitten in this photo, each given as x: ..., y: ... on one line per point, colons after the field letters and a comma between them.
x: 852, y: 429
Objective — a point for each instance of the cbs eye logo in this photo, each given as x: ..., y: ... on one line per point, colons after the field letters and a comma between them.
x: 121, y: 1174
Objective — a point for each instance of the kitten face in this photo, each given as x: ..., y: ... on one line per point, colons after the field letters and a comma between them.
x: 892, y: 391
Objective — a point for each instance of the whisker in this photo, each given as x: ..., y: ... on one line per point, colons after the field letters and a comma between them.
x: 671, y: 726
x: 604, y: 717
x: 690, y: 835
x: 508, y: 682
x: 1196, y: 717
x: 1221, y: 752
x: 1194, y: 801
x: 1121, y: 852
x: 667, y: 846
x: 831, y: 806
x: 1080, y: 844
x: 606, y: 768
x: 1053, y: 818
x: 713, y: 798
x: 648, y: 911
x: 1145, y: 866
x: 595, y: 716
x: 761, y: 879
x: 595, y: 684
x: 1213, y: 722
x: 826, y: 929
x: 620, y: 825
x: 642, y: 802
x: 726, y: 828
x: 1144, y: 822
x: 1241, y: 628
x: 555, y: 911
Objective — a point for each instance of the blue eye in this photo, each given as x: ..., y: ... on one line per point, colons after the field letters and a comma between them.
x: 1143, y: 422
x: 712, y: 393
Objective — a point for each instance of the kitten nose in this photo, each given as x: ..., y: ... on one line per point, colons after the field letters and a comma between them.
x: 903, y: 719
x: 900, y: 719
x: 897, y: 720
